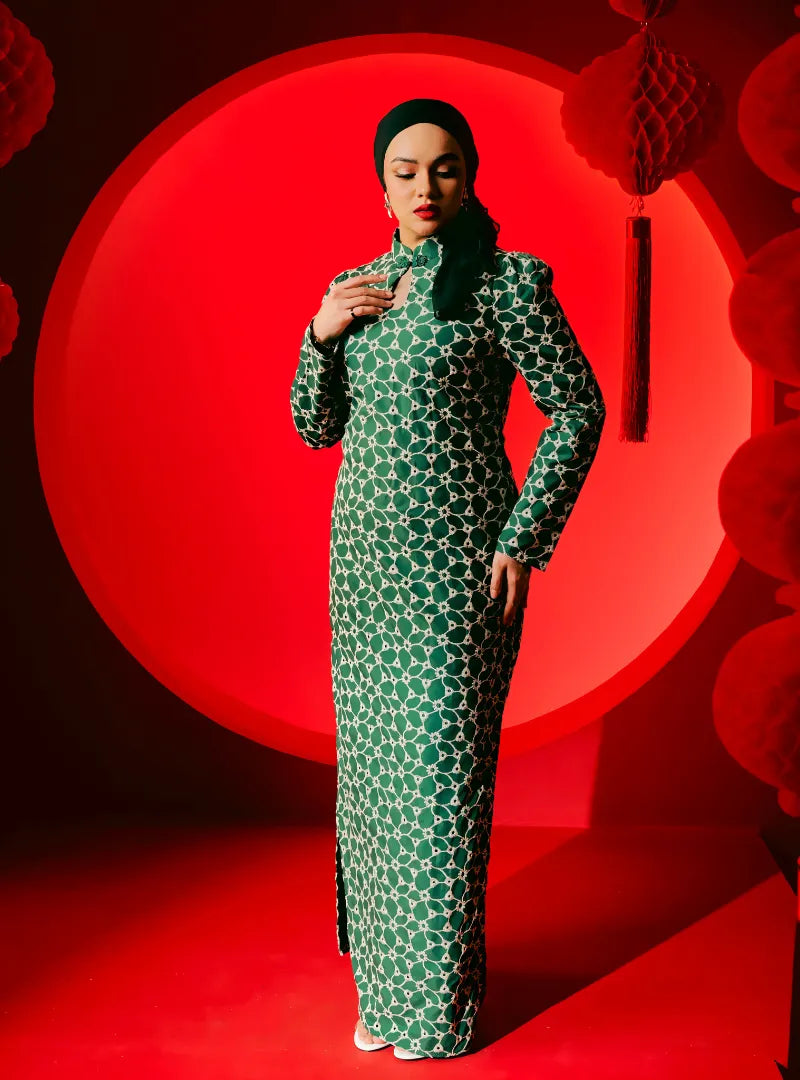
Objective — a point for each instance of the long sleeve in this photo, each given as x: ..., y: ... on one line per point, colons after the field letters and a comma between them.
x: 534, y: 335
x: 319, y: 396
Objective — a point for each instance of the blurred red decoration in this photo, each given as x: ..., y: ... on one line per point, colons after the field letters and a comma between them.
x: 641, y: 114
x: 769, y: 114
x: 759, y: 501
x: 9, y: 318
x: 26, y: 85
x: 26, y: 97
x: 756, y: 706
x: 764, y: 308
x: 756, y: 703
x: 642, y: 10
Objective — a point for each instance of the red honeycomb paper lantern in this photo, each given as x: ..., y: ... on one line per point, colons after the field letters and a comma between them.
x: 640, y: 114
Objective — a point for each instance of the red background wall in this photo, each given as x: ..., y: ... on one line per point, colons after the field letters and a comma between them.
x: 87, y: 730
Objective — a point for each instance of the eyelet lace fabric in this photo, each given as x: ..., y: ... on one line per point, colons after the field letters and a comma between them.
x: 421, y: 662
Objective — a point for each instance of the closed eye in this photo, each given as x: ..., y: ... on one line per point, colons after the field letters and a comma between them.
x: 410, y: 176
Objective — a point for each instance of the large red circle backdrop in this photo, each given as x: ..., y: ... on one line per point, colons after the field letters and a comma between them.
x: 194, y: 517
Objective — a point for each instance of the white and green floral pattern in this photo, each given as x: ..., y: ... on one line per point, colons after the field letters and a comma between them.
x: 421, y: 662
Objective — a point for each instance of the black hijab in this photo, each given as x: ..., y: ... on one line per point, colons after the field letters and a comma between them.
x: 426, y: 111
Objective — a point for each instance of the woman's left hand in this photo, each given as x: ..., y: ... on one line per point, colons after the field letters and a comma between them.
x: 516, y: 577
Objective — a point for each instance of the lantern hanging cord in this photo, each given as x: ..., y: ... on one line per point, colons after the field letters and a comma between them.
x: 637, y: 204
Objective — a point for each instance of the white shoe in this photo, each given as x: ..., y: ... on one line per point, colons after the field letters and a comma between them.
x: 406, y: 1055
x: 368, y: 1046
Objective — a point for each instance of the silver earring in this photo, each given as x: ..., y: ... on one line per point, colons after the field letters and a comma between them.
x: 387, y: 204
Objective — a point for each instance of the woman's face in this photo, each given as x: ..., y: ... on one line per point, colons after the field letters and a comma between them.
x: 423, y: 164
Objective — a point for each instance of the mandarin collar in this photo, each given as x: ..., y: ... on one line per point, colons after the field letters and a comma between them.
x: 427, y: 253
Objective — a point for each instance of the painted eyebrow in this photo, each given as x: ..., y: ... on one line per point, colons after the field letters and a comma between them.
x: 449, y: 156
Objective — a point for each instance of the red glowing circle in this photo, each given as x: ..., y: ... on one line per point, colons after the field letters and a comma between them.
x: 192, y: 514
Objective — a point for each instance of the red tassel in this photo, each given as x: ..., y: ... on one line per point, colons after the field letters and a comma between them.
x: 636, y: 373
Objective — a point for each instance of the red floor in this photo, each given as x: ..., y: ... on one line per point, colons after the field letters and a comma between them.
x: 208, y: 953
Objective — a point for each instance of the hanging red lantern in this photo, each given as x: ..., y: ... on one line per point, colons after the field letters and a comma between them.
x: 641, y: 114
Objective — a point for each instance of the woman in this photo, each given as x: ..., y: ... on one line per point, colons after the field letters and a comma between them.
x: 410, y: 362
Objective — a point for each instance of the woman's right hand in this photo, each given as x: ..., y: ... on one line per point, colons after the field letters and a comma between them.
x: 346, y: 299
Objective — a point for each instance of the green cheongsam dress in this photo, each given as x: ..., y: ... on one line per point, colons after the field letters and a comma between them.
x: 421, y: 662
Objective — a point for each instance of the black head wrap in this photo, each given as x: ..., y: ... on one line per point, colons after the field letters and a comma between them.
x: 426, y: 111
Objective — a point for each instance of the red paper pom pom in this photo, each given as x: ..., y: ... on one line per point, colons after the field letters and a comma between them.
x: 763, y: 308
x: 759, y: 500
x: 26, y: 85
x: 9, y: 318
x: 756, y: 707
x: 769, y: 114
